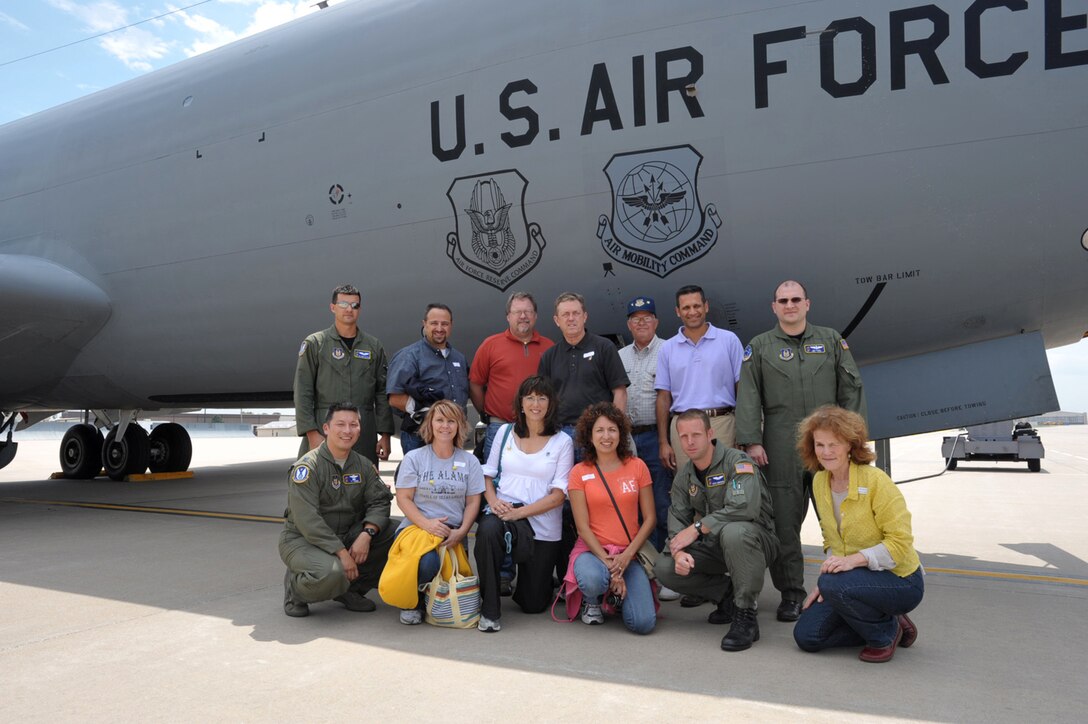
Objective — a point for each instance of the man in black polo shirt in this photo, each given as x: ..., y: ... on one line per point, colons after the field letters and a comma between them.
x: 584, y: 367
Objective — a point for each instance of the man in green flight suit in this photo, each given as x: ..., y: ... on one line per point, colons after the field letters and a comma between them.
x: 787, y: 373
x: 336, y: 532
x: 721, y: 530
x: 343, y: 363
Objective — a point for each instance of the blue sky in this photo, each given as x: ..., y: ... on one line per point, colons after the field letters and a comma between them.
x: 29, y: 86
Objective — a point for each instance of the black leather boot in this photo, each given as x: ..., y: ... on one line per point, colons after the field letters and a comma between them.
x: 744, y: 631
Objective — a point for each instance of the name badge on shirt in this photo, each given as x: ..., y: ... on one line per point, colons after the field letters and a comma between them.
x: 715, y: 480
x: 863, y: 491
x: 352, y: 479
x: 588, y: 476
x: 458, y: 464
x: 815, y: 349
x: 362, y: 354
x: 588, y: 355
x: 456, y: 364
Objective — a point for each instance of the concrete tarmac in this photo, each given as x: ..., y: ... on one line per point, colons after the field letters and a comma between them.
x: 115, y: 614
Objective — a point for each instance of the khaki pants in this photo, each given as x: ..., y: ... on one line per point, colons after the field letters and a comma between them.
x: 725, y: 432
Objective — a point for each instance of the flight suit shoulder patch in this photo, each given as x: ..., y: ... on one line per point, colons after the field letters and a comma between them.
x: 745, y: 469
x: 302, y: 349
x: 844, y: 344
x: 301, y: 474
x: 747, y: 353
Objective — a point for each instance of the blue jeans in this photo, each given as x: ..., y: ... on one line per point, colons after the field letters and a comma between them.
x: 647, y: 447
x: 859, y: 609
x: 489, y: 437
x: 579, y: 453
x: 410, y: 441
x: 638, y: 607
x: 429, y: 563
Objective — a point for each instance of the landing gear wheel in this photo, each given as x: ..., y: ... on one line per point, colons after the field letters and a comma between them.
x: 1035, y: 465
x: 952, y: 464
x: 81, y: 452
x: 171, y: 449
x: 127, y: 456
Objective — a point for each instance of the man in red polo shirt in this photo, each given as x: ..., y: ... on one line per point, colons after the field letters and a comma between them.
x: 503, y: 362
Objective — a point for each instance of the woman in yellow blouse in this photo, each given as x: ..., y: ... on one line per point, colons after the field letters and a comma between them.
x: 871, y: 577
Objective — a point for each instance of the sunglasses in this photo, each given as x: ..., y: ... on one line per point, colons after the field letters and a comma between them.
x: 348, y: 305
x: 792, y: 300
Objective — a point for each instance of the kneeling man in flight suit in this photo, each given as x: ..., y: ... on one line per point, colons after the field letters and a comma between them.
x: 336, y: 533
x: 721, y: 530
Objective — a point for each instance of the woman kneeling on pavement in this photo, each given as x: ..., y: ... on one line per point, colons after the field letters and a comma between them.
x: 871, y: 577
x: 526, y: 478
x: 439, y: 487
x: 608, y: 490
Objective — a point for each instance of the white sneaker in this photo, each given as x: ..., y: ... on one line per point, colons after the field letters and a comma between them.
x: 411, y: 617
x: 667, y: 594
x: 488, y: 626
x: 591, y: 613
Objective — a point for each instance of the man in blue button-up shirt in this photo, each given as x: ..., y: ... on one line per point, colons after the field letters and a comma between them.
x: 425, y: 372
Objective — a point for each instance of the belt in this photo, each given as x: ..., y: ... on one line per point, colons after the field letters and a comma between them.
x: 719, y: 411
x: 639, y: 429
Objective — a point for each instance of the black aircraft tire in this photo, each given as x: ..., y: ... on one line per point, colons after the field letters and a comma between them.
x: 81, y: 452
x: 1035, y: 465
x: 171, y: 449
x: 127, y: 456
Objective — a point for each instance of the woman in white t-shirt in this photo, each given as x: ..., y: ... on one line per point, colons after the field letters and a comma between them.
x: 526, y: 480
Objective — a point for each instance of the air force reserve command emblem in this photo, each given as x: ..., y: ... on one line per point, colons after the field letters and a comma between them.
x: 493, y: 242
x: 657, y: 223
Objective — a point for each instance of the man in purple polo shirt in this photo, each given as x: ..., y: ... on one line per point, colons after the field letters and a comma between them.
x: 696, y: 369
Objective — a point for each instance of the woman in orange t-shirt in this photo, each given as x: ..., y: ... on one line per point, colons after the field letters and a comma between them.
x: 607, y: 491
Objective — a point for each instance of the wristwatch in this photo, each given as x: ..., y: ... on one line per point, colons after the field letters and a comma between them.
x: 370, y: 531
x: 699, y: 527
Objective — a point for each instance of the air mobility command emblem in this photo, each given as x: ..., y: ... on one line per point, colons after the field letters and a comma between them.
x: 785, y: 354
x: 337, y: 353
x: 493, y: 242
x: 658, y: 224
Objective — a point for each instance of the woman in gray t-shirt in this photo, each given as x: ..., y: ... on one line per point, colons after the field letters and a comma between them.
x: 439, y: 487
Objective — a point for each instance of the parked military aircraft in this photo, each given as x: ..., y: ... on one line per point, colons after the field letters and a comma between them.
x: 168, y: 242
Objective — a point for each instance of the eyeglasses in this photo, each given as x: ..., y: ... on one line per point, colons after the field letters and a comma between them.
x: 641, y: 321
x: 348, y: 305
x: 792, y: 300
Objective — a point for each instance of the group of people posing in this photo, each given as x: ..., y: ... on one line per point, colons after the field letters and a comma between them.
x: 671, y: 467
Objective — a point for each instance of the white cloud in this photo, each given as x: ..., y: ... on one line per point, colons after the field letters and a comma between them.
x: 97, y: 16
x: 135, y: 47
x: 13, y: 22
x: 267, y: 14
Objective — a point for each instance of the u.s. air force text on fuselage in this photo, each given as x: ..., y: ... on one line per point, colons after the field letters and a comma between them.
x: 920, y: 32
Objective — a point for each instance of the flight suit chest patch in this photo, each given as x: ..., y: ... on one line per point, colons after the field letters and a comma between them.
x: 335, y: 482
x: 352, y: 479
x: 693, y: 490
x: 785, y: 354
x: 362, y: 354
x: 815, y: 349
x: 337, y: 353
x: 714, y: 481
